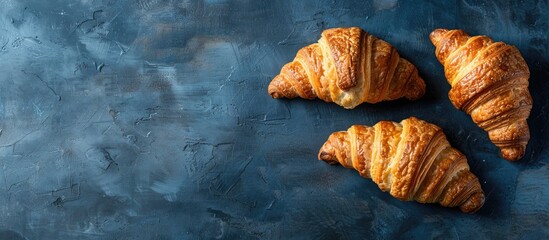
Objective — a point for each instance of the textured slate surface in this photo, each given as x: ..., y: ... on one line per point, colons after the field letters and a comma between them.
x: 150, y: 119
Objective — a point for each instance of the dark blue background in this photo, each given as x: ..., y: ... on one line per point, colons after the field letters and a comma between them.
x: 150, y: 119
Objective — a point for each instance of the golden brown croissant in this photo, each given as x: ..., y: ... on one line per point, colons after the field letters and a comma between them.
x: 490, y: 82
x: 411, y: 159
x: 348, y: 66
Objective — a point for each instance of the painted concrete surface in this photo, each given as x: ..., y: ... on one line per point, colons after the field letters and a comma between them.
x: 150, y: 119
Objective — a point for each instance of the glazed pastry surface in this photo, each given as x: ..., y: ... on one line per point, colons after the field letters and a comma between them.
x: 349, y: 67
x: 490, y: 82
x: 412, y: 160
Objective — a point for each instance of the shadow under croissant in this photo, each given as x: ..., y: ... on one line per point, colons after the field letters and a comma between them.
x: 539, y: 116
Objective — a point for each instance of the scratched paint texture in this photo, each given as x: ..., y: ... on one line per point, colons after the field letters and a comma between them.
x: 150, y: 119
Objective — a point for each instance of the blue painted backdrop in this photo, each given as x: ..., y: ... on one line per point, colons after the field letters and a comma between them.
x: 150, y: 119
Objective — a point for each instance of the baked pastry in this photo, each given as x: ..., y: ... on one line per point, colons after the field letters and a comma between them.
x: 348, y: 66
x: 490, y: 82
x: 412, y: 160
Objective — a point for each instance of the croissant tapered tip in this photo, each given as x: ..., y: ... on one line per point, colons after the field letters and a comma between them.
x: 325, y: 156
x: 274, y: 93
x: 473, y: 203
x: 327, y: 153
x: 437, y: 34
x: 279, y: 88
x: 416, y: 87
x: 513, y: 153
x: 273, y: 88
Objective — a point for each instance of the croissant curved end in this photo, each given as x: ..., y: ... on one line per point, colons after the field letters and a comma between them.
x: 274, y: 93
x: 327, y: 153
x: 437, y: 34
x: 273, y: 89
x: 416, y: 88
x: 278, y: 88
x: 473, y: 203
x: 513, y: 153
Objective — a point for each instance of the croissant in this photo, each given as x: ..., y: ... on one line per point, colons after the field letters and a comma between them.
x: 490, y: 82
x: 412, y: 160
x: 348, y: 66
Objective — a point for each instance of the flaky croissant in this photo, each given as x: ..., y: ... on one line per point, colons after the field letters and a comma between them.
x: 348, y: 66
x: 490, y: 82
x: 411, y: 159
